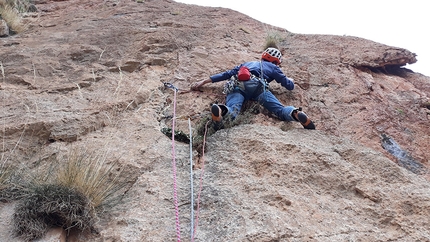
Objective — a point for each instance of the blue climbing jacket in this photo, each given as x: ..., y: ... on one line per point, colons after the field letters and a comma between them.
x: 270, y: 71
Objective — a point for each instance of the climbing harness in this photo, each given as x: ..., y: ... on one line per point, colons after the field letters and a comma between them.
x: 175, y: 194
x: 235, y: 84
x: 230, y: 85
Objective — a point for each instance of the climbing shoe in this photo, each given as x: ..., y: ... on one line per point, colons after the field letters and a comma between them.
x: 218, y: 111
x: 300, y: 116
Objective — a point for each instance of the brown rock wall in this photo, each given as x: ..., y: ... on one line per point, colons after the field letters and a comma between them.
x: 91, y: 73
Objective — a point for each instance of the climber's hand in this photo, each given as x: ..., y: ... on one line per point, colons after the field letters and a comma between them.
x: 196, y: 85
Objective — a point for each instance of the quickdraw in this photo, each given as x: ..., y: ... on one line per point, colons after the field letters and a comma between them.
x: 171, y: 86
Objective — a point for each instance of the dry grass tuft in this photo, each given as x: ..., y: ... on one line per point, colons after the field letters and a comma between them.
x: 10, y: 13
x: 91, y: 174
x: 273, y: 39
x: 51, y: 205
x: 70, y: 192
x: 8, y: 187
x: 5, y: 176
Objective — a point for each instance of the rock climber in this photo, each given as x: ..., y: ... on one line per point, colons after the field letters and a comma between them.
x: 245, y: 83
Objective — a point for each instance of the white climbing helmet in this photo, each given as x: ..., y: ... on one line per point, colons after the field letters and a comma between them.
x: 272, y: 55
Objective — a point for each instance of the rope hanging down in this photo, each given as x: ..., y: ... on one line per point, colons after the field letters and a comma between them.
x: 201, y: 181
x: 175, y: 194
x: 191, y: 181
x: 193, y: 225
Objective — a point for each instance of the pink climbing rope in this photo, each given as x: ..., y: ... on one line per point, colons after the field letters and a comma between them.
x: 175, y: 193
x: 201, y: 181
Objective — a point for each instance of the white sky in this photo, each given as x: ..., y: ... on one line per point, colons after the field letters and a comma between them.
x: 396, y: 23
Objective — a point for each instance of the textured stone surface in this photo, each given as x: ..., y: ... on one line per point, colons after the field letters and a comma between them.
x: 91, y: 73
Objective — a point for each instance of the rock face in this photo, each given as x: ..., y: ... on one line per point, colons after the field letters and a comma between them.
x: 91, y: 73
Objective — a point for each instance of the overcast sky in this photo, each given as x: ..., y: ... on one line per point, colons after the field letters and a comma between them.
x: 392, y: 22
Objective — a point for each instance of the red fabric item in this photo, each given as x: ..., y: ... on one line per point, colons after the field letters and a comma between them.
x: 244, y: 74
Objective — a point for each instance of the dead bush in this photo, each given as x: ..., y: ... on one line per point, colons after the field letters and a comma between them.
x: 71, y: 192
x: 51, y: 205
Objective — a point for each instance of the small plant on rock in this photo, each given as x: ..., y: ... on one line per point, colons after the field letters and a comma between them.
x: 50, y: 205
x: 5, y: 176
x: 69, y: 194
x: 93, y: 176
x: 11, y: 12
x: 273, y: 39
